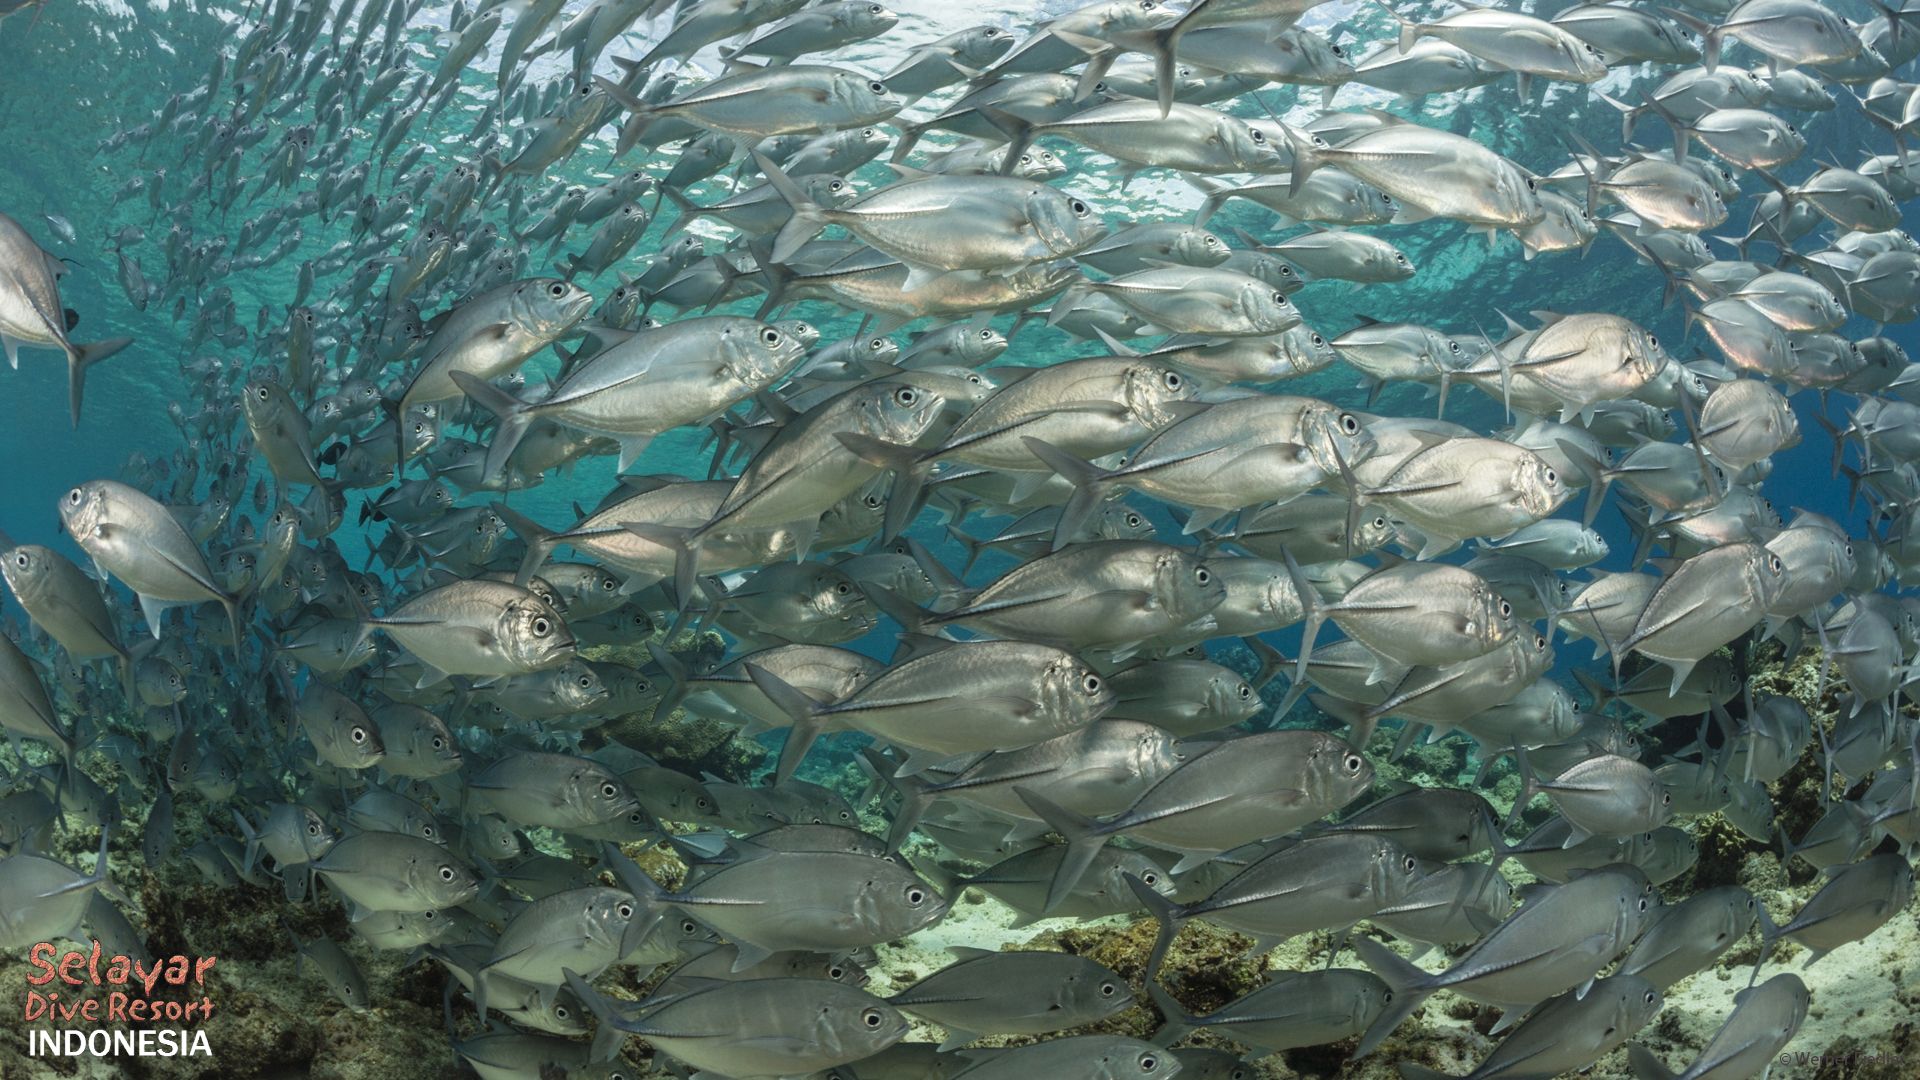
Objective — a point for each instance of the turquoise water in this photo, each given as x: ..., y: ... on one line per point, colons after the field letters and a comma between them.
x: 86, y: 71
x: 81, y: 79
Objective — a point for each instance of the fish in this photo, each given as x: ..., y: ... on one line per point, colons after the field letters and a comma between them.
x: 1764, y: 1019
x: 1024, y: 993
x: 131, y: 536
x: 1554, y: 943
x: 31, y: 312
x: 860, y: 477
x: 808, y: 1024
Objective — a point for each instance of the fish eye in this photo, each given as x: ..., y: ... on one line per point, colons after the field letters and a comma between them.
x: 1091, y: 683
x: 1201, y: 575
x: 872, y: 502
x: 1506, y: 609
x: 835, y: 185
x: 1453, y: 347
x: 1149, y: 1062
x: 1245, y: 691
x: 541, y: 627
x: 1280, y: 298
x: 439, y: 743
x: 447, y: 874
x: 1337, y: 51
x: 871, y: 1017
x: 986, y: 335
x: 905, y: 397
x: 1078, y: 207
x: 1410, y: 864
x: 74, y: 496
x: 1107, y: 990
x: 313, y: 828
x: 836, y: 973
x: 878, y: 344
x: 1172, y: 380
x: 625, y: 911
x: 843, y: 588
x: 1552, y: 477
x: 1539, y: 643
x: 358, y: 734
x: 1316, y: 340
x: 20, y: 560
x: 916, y: 895
x: 608, y: 790
x: 1349, y: 424
x: 1257, y: 136
x: 586, y: 681
x: 1643, y: 903
x: 1352, y: 762
x: 877, y: 86
x: 1532, y: 185
x: 1133, y: 522
x: 687, y: 927
x: 556, y: 290
x: 1399, y: 258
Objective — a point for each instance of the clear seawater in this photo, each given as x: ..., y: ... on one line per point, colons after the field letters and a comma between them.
x: 79, y: 71
x: 76, y: 73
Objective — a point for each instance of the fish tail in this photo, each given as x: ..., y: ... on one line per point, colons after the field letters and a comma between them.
x: 1681, y: 132
x: 79, y: 359
x: 1602, y: 696
x: 688, y: 212
x: 913, y: 619
x: 1410, y: 985
x: 1019, y: 133
x: 1084, y: 839
x: 1272, y: 663
x: 909, y: 467
x: 1176, y: 1022
x: 1090, y: 486
x: 252, y: 839
x: 909, y: 135
x: 676, y: 679
x: 1645, y: 1065
x: 637, y: 124
x: 808, y: 217
x: 515, y: 418
x: 1360, y: 720
x: 1306, y: 159
x: 609, y: 1036
x: 540, y: 541
x: 1171, y: 919
x: 807, y: 716
x: 1315, y: 615
x: 685, y: 545
x: 1529, y: 787
x: 913, y: 791
x: 1100, y: 56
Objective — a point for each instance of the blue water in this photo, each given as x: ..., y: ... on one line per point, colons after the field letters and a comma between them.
x: 85, y: 71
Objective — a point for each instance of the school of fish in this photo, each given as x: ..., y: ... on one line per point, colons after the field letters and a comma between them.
x: 1060, y: 573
